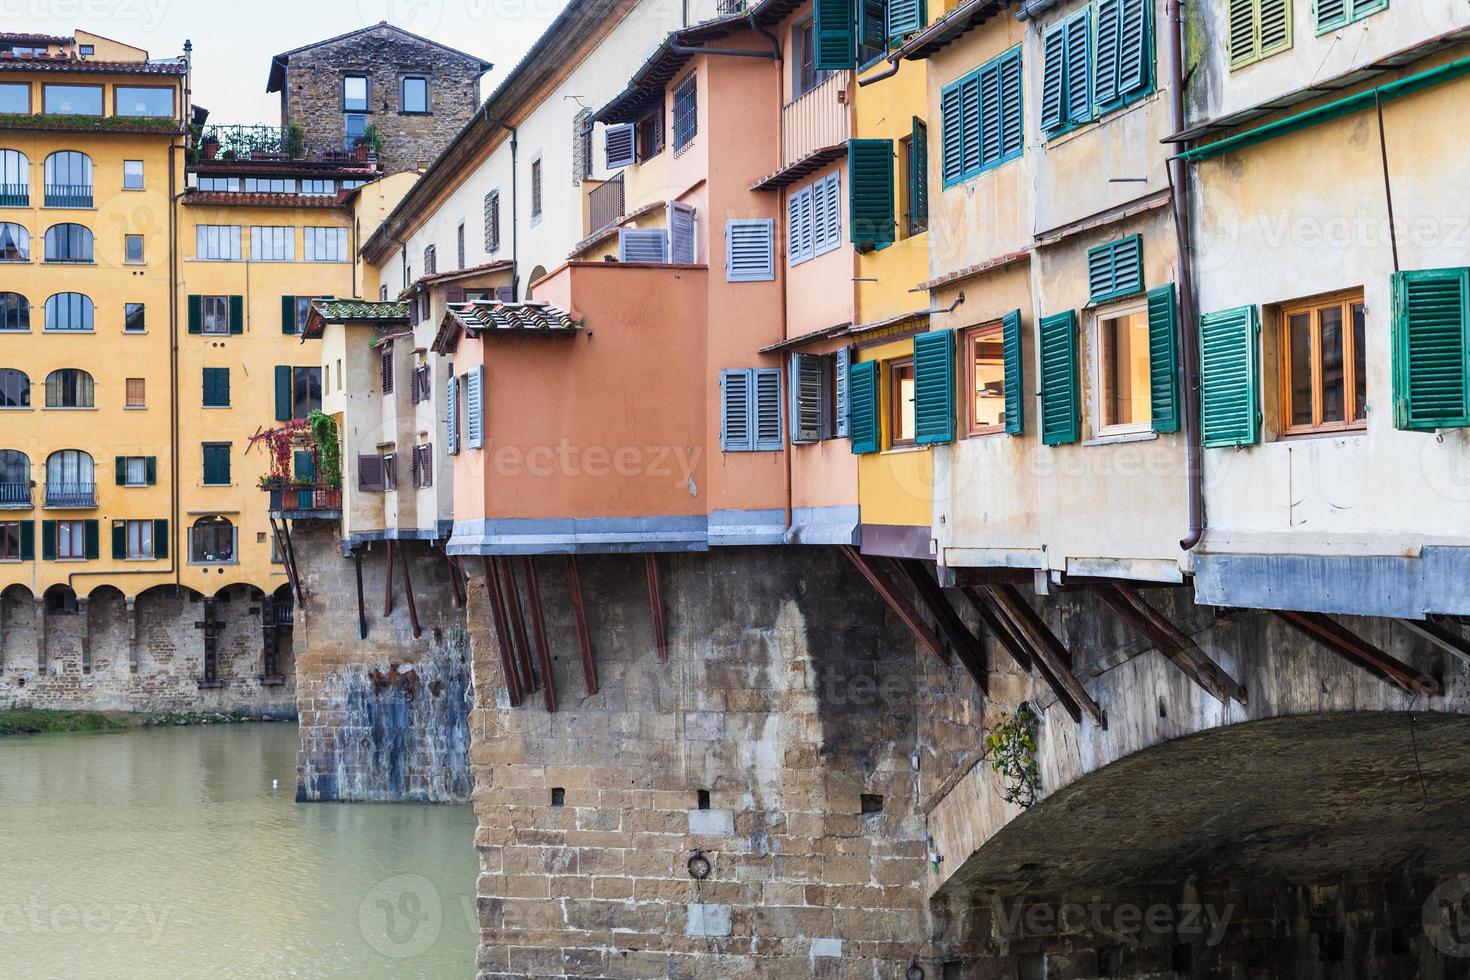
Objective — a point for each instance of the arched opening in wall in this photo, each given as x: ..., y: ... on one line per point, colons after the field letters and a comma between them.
x: 537, y: 274
x: 17, y: 611
x: 61, y: 601
x: 278, y: 654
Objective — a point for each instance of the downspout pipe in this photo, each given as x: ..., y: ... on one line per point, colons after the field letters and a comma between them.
x: 515, y: 200
x: 889, y: 72
x: 1188, y: 321
x: 694, y: 49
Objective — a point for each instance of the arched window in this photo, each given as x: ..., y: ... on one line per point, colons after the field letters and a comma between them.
x: 15, y: 179
x: 15, y: 312
x: 212, y: 539
x: 69, y: 311
x: 69, y: 388
x: 70, y: 479
x: 68, y: 180
x: 15, y: 241
x: 15, y: 389
x: 68, y: 243
x: 15, y: 478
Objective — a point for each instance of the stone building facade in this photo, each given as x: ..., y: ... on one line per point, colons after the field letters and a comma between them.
x: 417, y: 92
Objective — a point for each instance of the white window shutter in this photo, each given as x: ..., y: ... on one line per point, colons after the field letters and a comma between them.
x: 643, y: 245
x: 766, y: 423
x: 451, y: 416
x: 750, y: 245
x: 735, y: 428
x: 474, y: 428
x: 681, y: 233
x: 844, y: 360
x: 806, y: 398
x: 619, y: 144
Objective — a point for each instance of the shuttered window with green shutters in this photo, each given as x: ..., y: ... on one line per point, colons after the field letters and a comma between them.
x: 983, y: 117
x: 1115, y: 270
x: 1066, y: 84
x: 1230, y: 393
x: 1061, y: 415
x: 1015, y: 375
x: 216, y: 464
x: 870, y: 185
x: 904, y: 18
x: 237, y: 314
x: 862, y: 402
x: 1163, y: 358
x: 283, y: 393
x: 1332, y: 14
x: 918, y: 177
x: 216, y: 387
x: 835, y: 30
x: 1258, y: 29
x: 934, y: 387
x: 1100, y: 59
x: 1431, y: 349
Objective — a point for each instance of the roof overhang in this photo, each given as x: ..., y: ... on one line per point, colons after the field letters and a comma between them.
x: 950, y: 28
x: 494, y: 318
x: 352, y: 311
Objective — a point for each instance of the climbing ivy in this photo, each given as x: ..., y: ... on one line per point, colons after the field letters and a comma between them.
x: 1011, y: 747
x: 328, y: 449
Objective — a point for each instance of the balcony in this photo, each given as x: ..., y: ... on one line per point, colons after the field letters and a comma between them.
x: 239, y: 142
x: 71, y: 496
x: 15, y: 195
x: 307, y: 501
x: 68, y: 195
x: 605, y: 204
x: 729, y: 8
x: 15, y: 496
x: 815, y: 121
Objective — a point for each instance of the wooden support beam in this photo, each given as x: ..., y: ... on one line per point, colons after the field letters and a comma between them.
x: 656, y: 607
x: 388, y: 583
x: 502, y: 629
x: 896, y: 600
x: 1353, y: 648
x: 413, y: 609
x: 282, y: 534
x: 1063, y: 696
x: 456, y: 583
x: 538, y: 627
x: 999, y: 628
x: 362, y: 624
x: 579, y: 613
x: 965, y: 644
x: 518, y: 626
x: 1171, y: 641
x: 1440, y: 635
x: 1046, y: 648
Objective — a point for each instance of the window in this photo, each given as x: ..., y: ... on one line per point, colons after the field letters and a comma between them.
x: 326, y: 244
x: 132, y: 100
x: 354, y: 126
x: 71, y: 540
x: 581, y: 146
x: 15, y: 177
x: 390, y: 471
x: 15, y: 312
x: 354, y: 93
x: 1123, y: 385
x: 320, y: 187
x: 271, y: 185
x: 15, y: 389
x: 217, y: 243
x: 68, y: 243
x: 133, y: 248
x: 133, y: 318
x: 69, y: 388
x: 1324, y: 385
x: 306, y: 391
x: 750, y: 249
x: 133, y: 471
x: 1115, y: 270
x: 295, y: 311
x: 870, y: 192
x: 216, y: 456
x: 535, y: 188
x: 686, y: 112
x: 1332, y: 14
x: 904, y: 18
x: 1258, y: 29
x: 750, y: 410
x: 15, y: 243
x: 814, y: 219
x: 414, y: 94
x: 914, y: 154
x: 69, y: 311
x: 87, y: 50
x: 72, y: 100
x: 651, y: 134
x: 872, y: 29
x: 805, y: 75
x: 216, y: 387
x: 431, y: 260
x: 135, y: 393
x: 818, y: 391
x: 68, y: 177
x: 985, y: 380
x: 459, y: 245
x: 272, y: 243
x: 219, y: 183
x: 137, y: 539
x: 901, y: 402
x: 423, y: 466
x: 982, y: 116
x: 1229, y: 366
x: 132, y: 175
x: 15, y: 97
x: 15, y: 476
x: 10, y: 532
x: 70, y: 479
x: 1087, y: 72
x: 212, y: 541
x: 215, y: 317
x: 492, y: 222
x: 385, y: 364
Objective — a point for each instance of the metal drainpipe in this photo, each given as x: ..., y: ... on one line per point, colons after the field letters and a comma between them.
x: 1189, y: 330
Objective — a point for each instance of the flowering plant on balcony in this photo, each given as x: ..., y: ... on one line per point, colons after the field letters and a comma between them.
x: 328, y: 448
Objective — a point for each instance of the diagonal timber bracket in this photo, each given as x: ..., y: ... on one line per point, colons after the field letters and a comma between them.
x: 1171, y: 641
x: 1354, y: 649
x: 896, y: 601
x: 1047, y: 650
x: 965, y: 644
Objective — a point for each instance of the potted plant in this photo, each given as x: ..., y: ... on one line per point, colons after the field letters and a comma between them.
x: 209, y: 146
x: 369, y: 145
x: 295, y: 141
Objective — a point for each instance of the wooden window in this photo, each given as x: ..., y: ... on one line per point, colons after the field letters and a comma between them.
x: 216, y: 385
x: 901, y: 402
x: 651, y: 134
x: 492, y: 222
x: 132, y: 175
x: 390, y: 471
x: 431, y: 260
x: 71, y: 540
x: 135, y: 392
x: 133, y: 249
x: 138, y: 541
x: 985, y: 380
x: 750, y: 245
x: 15, y: 98
x: 984, y: 126
x: 212, y: 541
x: 1122, y: 370
x: 934, y: 383
x: 1115, y: 270
x: 387, y: 371
x: 216, y: 464
x: 1332, y: 14
x: 805, y: 75
x: 1258, y: 29
x: 904, y: 18
x: 216, y: 315
x: 750, y: 410
x: 870, y: 191
x: 10, y: 532
x: 1324, y: 384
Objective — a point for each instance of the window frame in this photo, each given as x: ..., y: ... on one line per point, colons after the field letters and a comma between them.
x: 128, y: 309
x: 805, y: 75
x: 996, y: 65
x: 296, y: 412
x: 1345, y: 300
x: 367, y: 93
x: 101, y: 90
x: 30, y: 108
x: 127, y: 177
x: 224, y: 239
x: 75, y: 534
x: 538, y: 202
x: 21, y: 306
x: 128, y: 474
x: 893, y: 409
x: 87, y: 308
x: 173, y: 101
x: 1351, y: 15
x: 650, y: 135
x: 1101, y: 429
x: 128, y: 257
x: 689, y: 82
x: 969, y: 337
x: 403, y: 109
x: 205, y: 302
x: 10, y: 543
x: 214, y: 524
x: 273, y: 235
x: 204, y: 451
x: 314, y: 245
x: 128, y: 385
x: 134, y: 531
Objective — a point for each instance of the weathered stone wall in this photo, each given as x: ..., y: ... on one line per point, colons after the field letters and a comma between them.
x: 782, y: 741
x: 153, y: 662
x: 383, y: 718
x: 314, y: 94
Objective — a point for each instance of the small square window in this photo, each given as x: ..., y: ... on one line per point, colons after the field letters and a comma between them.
x: 86, y: 50
x: 133, y: 248
x: 216, y: 315
x: 136, y: 393
x: 71, y: 539
x: 133, y: 318
x: 132, y: 175
x: 135, y: 471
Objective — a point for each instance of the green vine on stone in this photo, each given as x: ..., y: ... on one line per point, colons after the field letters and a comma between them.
x: 1011, y: 747
x: 328, y: 449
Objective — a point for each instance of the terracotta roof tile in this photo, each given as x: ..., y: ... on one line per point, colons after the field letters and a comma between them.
x: 262, y: 200
x: 8, y: 62
x: 494, y: 317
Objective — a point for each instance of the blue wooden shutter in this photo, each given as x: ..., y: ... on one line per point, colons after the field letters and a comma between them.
x: 807, y: 399
x: 643, y: 245
x: 1014, y: 373
x: 451, y: 415
x: 160, y: 539
x: 1079, y: 68
x: 1115, y: 269
x: 798, y: 221
x: 827, y: 213
x: 1332, y: 13
x: 1012, y: 114
x: 735, y: 434
x: 862, y: 393
x: 834, y: 34
x: 870, y: 187
x: 841, y: 359
x: 904, y: 18
x: 474, y: 408
x: 1163, y: 358
x: 766, y: 409
x: 283, y: 393
x: 952, y: 126
x: 934, y: 387
x: 1053, y: 78
x: 1061, y: 415
x: 970, y: 135
x: 1230, y: 400
x: 237, y: 314
x: 620, y: 145
x: 1109, y: 36
x: 681, y: 233
x: 990, y: 132
x: 750, y: 245
x: 1431, y: 349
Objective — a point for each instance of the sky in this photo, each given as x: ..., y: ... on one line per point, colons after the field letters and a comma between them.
x: 234, y: 40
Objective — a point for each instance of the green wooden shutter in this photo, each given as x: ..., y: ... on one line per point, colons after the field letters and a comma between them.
x: 196, y: 314
x: 1015, y: 379
x: 1079, y: 60
x: 94, y: 544
x: 1135, y: 50
x: 48, y: 540
x: 305, y: 466
x: 1431, y: 349
x: 862, y: 407
x: 283, y: 393
x: 120, y: 465
x: 119, y: 539
x: 934, y: 387
x: 160, y: 539
x: 1061, y: 415
x: 288, y: 314
x: 216, y: 384
x: 1163, y: 358
x: 27, y: 540
x: 951, y: 123
x: 1332, y: 13
x: 870, y: 163
x: 904, y: 18
x: 237, y: 314
x: 1053, y: 74
x: 1109, y: 39
x: 834, y: 33
x: 152, y: 467
x: 1115, y: 270
x: 919, y: 176
x: 1230, y: 406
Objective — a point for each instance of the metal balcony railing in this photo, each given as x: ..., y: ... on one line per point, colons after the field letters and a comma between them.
x: 15, y: 496
x: 71, y: 495
x: 236, y: 142
x: 15, y: 195
x: 816, y: 119
x: 605, y: 204
x: 319, y: 498
x: 68, y: 195
x: 728, y: 8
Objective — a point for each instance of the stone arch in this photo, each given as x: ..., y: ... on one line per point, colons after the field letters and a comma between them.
x: 537, y: 274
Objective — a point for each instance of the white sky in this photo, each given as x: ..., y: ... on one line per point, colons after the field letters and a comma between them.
x: 235, y: 39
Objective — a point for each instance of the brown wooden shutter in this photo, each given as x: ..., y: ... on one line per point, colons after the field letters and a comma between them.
x: 370, y: 472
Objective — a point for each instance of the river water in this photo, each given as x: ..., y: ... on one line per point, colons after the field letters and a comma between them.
x: 166, y: 852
